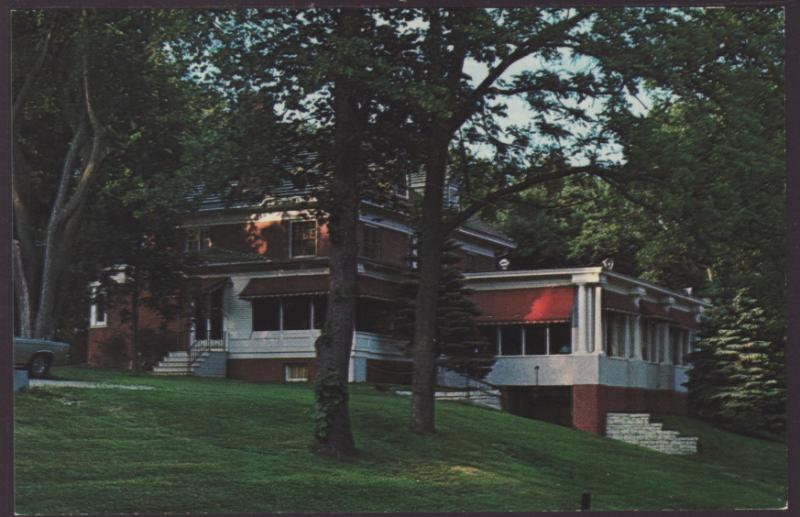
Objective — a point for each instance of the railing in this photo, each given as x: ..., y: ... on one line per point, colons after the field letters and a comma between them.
x: 202, y: 346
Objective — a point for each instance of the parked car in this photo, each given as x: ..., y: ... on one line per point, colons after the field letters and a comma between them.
x: 38, y: 355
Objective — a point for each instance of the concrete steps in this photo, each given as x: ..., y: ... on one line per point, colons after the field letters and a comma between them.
x: 209, y: 364
x: 636, y: 429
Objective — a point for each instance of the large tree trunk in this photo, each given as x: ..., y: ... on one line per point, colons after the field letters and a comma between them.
x: 430, y: 256
x: 137, y: 359
x: 333, y: 434
x: 22, y: 296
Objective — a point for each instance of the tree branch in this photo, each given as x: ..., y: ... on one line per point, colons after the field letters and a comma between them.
x: 542, y: 38
x: 37, y: 66
x: 493, y: 197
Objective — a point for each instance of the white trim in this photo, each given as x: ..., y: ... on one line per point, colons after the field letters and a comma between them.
x: 508, y: 286
x: 385, y: 223
x: 488, y: 237
x: 93, y: 321
x: 316, y: 237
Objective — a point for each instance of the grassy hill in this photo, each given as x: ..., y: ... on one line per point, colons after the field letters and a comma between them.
x: 218, y: 445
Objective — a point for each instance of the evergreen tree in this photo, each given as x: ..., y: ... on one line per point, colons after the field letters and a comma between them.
x: 459, y: 345
x: 738, y: 377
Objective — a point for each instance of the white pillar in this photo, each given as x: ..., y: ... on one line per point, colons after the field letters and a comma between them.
x: 582, y: 345
x: 598, y: 321
x: 637, y: 337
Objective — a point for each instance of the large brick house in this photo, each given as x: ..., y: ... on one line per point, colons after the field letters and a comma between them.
x: 572, y: 344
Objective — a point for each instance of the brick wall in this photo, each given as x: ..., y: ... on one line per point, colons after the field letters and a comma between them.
x: 591, y: 402
x: 265, y: 370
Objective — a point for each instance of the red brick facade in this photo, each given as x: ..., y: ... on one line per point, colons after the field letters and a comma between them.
x: 266, y: 370
x: 111, y: 345
x: 591, y: 402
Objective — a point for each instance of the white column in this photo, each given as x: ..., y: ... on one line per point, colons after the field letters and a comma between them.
x: 637, y: 337
x: 582, y: 345
x: 598, y: 321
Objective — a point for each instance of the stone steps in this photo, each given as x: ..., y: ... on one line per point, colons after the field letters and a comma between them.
x: 209, y: 364
x: 636, y: 429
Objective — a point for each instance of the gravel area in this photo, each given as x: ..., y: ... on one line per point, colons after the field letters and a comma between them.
x: 43, y: 383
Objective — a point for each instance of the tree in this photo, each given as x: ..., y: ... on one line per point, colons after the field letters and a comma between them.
x: 459, y: 345
x: 739, y: 381
x: 93, y: 98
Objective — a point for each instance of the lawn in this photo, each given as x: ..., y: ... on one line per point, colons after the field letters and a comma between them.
x: 218, y: 445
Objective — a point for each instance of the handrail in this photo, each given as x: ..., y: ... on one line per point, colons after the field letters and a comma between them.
x: 201, y: 346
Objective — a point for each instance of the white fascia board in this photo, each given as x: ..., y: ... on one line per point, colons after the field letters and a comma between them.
x: 255, y: 217
x: 276, y: 273
x: 488, y: 237
x: 533, y: 273
x: 678, y: 298
x: 385, y: 223
x: 474, y: 248
x: 516, y: 284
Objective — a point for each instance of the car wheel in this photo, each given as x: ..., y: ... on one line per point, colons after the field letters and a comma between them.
x: 39, y: 367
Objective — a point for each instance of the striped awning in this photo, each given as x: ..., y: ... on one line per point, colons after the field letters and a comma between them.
x: 536, y: 305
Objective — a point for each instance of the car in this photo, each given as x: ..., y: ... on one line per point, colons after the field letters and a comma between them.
x: 38, y: 355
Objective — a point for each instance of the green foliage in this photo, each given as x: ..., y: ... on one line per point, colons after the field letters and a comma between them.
x: 459, y: 345
x: 738, y: 377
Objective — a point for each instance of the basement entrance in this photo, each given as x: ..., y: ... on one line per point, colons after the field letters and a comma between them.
x: 549, y: 403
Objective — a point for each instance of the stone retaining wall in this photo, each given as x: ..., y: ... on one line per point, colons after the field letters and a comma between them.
x: 636, y: 428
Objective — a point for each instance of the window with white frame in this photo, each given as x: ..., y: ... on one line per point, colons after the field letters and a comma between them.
x: 98, y: 315
x: 372, y: 245
x: 401, y: 189
x: 197, y: 239
x: 296, y: 372
x: 533, y: 339
x: 303, y: 238
x: 288, y: 313
x: 616, y: 333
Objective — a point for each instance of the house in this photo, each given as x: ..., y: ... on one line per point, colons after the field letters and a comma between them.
x: 572, y: 344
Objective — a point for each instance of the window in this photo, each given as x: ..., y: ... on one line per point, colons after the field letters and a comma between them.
x: 197, y: 239
x: 650, y: 335
x: 297, y: 313
x: 560, y: 338
x: 266, y: 314
x: 490, y: 335
x: 296, y: 372
x: 320, y: 310
x: 372, y: 247
x: 536, y: 340
x: 471, y: 263
x: 511, y: 340
x: 401, y: 189
x: 304, y: 238
x: 98, y: 316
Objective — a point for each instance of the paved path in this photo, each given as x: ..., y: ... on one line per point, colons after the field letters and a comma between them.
x: 44, y: 383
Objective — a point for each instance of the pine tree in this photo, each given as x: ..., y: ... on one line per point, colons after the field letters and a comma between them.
x: 459, y: 345
x: 738, y: 377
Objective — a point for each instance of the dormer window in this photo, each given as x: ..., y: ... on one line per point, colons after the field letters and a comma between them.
x: 303, y: 239
x: 401, y: 189
x: 197, y: 239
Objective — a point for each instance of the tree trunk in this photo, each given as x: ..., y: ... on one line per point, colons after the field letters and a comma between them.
x: 430, y: 256
x: 333, y: 434
x: 22, y: 295
x: 137, y: 360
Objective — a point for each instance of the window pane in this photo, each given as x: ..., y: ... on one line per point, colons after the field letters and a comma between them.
x: 296, y: 313
x: 304, y: 238
x: 320, y: 311
x: 511, y: 340
x: 560, y: 338
x: 536, y: 340
x: 296, y: 372
x: 266, y: 314
x: 372, y: 245
x: 489, y: 333
x: 609, y: 333
x: 100, y: 312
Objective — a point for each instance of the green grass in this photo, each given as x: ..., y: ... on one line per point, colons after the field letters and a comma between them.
x: 219, y: 445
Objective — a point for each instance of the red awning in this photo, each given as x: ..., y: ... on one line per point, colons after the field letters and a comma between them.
x: 541, y: 305
x: 683, y: 318
x: 618, y: 302
x: 296, y: 285
x: 653, y: 310
x: 300, y: 285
